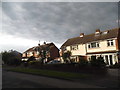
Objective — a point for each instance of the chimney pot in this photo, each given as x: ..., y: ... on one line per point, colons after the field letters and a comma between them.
x: 97, y: 31
x: 81, y: 34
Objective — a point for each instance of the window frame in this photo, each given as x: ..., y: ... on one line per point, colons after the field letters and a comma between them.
x: 110, y: 42
x: 93, y: 45
x: 74, y: 47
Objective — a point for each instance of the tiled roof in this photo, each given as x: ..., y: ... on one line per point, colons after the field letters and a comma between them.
x: 41, y: 47
x: 113, y: 33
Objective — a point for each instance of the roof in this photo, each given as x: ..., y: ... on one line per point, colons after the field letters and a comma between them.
x: 113, y: 33
x: 41, y: 47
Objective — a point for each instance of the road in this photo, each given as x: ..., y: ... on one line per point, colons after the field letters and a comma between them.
x: 20, y: 80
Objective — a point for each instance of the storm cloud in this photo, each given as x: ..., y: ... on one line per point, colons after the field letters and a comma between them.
x: 57, y: 21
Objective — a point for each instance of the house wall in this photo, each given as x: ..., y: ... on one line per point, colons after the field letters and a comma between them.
x: 29, y: 54
x: 36, y: 54
x: 54, y: 52
x: 118, y: 40
x: 103, y: 47
x: 80, y: 51
x: 24, y: 55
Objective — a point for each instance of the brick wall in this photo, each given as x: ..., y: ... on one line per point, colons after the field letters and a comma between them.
x: 54, y: 52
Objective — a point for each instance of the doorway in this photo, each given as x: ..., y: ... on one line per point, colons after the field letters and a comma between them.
x: 111, y: 57
x: 106, y: 58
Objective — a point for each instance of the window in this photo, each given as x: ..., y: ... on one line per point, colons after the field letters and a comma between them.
x: 75, y: 47
x: 110, y: 43
x: 93, y: 45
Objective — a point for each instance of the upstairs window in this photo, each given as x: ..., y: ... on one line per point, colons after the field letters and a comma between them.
x: 75, y: 47
x: 93, y: 45
x: 110, y: 43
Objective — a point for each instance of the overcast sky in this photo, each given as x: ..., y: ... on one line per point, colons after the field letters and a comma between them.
x: 25, y: 23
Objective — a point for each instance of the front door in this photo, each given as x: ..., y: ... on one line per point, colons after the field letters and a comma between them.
x: 106, y: 58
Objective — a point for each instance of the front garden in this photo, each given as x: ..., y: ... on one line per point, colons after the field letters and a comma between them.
x: 94, y: 66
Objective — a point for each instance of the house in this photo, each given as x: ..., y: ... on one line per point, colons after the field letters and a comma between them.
x: 105, y: 44
x: 48, y: 51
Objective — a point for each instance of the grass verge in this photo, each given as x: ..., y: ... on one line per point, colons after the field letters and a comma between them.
x: 51, y: 73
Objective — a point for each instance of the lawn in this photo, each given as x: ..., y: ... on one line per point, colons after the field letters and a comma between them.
x: 51, y: 73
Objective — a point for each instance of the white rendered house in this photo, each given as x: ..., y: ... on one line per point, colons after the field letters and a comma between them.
x: 105, y: 44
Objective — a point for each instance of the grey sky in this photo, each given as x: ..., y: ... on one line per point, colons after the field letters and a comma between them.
x: 54, y: 21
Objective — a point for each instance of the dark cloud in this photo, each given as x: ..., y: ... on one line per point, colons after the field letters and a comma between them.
x: 57, y: 21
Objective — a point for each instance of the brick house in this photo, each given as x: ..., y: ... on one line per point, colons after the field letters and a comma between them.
x: 48, y: 51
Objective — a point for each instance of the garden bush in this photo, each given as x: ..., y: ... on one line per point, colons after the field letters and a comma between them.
x: 99, y: 62
x: 83, y: 62
x: 32, y: 58
x: 116, y: 65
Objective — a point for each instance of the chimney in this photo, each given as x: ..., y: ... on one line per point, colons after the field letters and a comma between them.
x: 38, y: 44
x: 97, y: 31
x: 44, y: 43
x: 82, y: 34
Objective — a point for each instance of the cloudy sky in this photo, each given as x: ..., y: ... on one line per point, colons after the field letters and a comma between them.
x: 25, y: 23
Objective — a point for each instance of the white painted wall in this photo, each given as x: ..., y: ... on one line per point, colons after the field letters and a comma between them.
x: 24, y: 55
x: 81, y: 50
x: 103, y: 47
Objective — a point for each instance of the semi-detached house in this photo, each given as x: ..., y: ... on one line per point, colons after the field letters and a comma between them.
x: 105, y: 44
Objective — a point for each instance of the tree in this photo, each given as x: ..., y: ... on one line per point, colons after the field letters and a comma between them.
x: 66, y: 57
x: 11, y: 57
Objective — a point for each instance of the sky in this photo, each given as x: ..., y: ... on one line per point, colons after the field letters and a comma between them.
x: 25, y: 23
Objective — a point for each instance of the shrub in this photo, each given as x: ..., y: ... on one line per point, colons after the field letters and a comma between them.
x: 66, y: 57
x: 116, y: 65
x: 99, y: 62
x: 32, y: 58
x: 83, y: 62
x: 11, y: 58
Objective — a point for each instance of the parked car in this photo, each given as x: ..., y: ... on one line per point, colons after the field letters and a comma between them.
x: 54, y: 62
